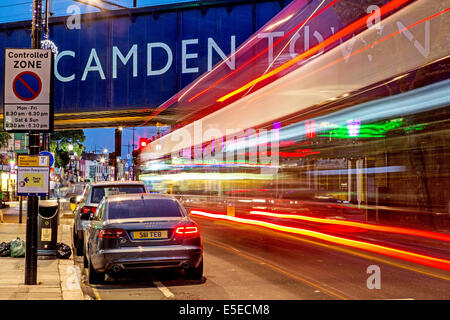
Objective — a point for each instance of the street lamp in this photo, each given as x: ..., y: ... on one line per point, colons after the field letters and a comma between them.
x: 105, y: 150
x: 72, y: 164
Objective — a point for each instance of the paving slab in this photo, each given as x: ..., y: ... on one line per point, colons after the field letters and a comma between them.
x: 57, y: 279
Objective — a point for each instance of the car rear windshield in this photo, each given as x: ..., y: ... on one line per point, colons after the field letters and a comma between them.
x: 144, y: 208
x: 99, y: 192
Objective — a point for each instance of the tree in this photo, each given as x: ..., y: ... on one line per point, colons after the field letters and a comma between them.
x: 59, y: 144
x: 4, y: 138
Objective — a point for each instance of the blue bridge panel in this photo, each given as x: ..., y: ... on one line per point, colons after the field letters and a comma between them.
x: 125, y: 60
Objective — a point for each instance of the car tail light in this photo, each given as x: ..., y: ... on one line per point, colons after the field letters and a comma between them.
x: 87, y: 209
x: 111, y: 233
x: 188, y: 231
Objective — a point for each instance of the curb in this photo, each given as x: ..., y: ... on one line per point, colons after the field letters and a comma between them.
x: 69, y: 273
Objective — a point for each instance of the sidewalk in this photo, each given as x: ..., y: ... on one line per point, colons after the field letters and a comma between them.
x: 57, y: 279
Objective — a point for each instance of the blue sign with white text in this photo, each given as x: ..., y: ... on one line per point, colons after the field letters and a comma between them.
x: 125, y: 60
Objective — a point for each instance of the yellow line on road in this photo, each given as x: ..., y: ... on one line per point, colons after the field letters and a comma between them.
x: 287, y: 273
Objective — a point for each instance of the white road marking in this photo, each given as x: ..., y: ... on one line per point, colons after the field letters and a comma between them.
x: 163, y: 289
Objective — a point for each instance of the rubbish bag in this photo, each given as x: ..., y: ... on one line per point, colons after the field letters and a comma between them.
x: 63, y: 251
x: 17, y: 248
x: 5, y: 249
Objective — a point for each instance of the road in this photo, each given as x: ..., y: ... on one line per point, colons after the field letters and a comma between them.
x: 255, y: 263
x: 247, y: 262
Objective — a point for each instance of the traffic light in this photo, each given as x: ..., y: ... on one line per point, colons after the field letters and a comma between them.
x: 112, y: 159
x: 143, y: 142
x: 118, y: 142
x: 136, y: 160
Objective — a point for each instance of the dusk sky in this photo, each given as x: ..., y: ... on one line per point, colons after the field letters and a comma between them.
x: 100, y: 139
x: 20, y: 10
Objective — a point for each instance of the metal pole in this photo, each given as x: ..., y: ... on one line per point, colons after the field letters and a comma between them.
x: 46, y: 136
x: 115, y: 168
x: 46, y: 19
x: 132, y: 162
x: 36, y: 25
x: 116, y: 152
x: 33, y: 201
x: 20, y: 208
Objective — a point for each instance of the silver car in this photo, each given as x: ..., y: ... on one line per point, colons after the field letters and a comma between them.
x: 142, y: 231
x: 92, y: 195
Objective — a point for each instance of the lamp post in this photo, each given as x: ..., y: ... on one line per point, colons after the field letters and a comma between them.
x: 71, y: 157
x: 117, y: 149
x: 133, y: 145
x: 102, y: 161
x: 34, y: 137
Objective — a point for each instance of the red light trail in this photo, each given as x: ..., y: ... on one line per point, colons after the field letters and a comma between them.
x: 264, y: 51
x: 406, y: 231
x: 371, y: 247
x: 354, y: 53
x: 339, y: 35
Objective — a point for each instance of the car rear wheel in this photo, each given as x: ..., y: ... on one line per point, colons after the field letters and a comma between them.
x: 79, y: 249
x: 85, y: 261
x: 94, y: 276
x: 78, y: 244
x: 195, y: 272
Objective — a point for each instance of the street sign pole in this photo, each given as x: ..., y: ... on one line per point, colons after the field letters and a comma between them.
x: 33, y: 201
x: 117, y: 150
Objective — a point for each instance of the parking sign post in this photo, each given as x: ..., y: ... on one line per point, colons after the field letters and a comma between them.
x: 28, y: 107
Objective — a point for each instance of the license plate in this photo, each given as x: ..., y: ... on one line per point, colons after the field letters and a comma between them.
x: 150, y: 235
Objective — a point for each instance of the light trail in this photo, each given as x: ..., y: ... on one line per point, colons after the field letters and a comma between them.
x: 350, y: 55
x: 406, y: 231
x: 332, y: 39
x: 262, y: 52
x: 379, y: 249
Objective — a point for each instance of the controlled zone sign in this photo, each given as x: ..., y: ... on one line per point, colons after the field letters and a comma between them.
x: 28, y: 90
x: 33, y: 175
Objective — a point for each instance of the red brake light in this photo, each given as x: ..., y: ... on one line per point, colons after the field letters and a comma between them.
x: 88, y: 209
x: 191, y: 230
x: 111, y: 233
x: 186, y: 230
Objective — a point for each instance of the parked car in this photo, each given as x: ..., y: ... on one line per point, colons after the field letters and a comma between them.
x: 92, y: 195
x: 142, y: 232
